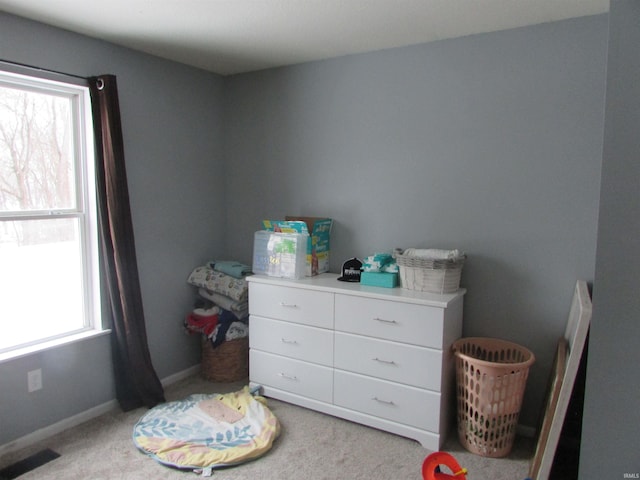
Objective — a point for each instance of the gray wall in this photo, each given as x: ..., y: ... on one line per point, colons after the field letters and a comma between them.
x: 171, y: 117
x: 491, y: 144
x: 611, y: 414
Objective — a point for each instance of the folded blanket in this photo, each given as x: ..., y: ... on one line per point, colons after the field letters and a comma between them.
x: 434, y: 253
x: 231, y: 268
x: 237, y: 330
x: 202, y: 321
x: 227, y: 324
x: 206, y: 277
x: 239, y: 308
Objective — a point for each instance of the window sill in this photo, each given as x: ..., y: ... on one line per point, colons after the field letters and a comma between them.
x: 40, y: 347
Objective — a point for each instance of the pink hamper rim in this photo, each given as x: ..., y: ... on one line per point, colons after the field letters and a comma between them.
x: 493, y: 344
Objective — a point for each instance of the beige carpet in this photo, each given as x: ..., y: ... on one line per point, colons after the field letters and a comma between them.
x: 312, y: 446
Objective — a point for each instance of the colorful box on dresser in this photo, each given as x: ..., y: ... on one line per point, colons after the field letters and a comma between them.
x: 318, y: 247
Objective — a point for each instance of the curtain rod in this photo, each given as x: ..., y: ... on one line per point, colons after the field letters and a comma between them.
x: 24, y: 69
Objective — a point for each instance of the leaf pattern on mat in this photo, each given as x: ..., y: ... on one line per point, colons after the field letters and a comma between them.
x: 239, y: 436
x: 157, y: 427
x: 182, y: 434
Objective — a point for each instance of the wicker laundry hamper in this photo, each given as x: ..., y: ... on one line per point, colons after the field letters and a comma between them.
x: 228, y: 362
x: 429, y: 274
x: 491, y: 378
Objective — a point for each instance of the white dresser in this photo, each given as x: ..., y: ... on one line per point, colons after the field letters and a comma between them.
x: 377, y: 356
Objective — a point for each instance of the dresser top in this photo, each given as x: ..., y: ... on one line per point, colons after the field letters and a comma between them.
x: 328, y: 282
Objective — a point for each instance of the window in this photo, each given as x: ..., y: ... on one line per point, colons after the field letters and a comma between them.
x: 49, y: 281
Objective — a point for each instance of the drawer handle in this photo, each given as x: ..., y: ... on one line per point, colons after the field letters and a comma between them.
x: 387, y: 362
x: 288, y: 305
x: 386, y: 402
x: 293, y: 378
x: 377, y: 319
x: 290, y: 342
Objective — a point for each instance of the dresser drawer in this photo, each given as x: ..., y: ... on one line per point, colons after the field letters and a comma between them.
x: 302, y: 378
x: 292, y: 340
x: 398, y: 403
x: 398, y: 362
x: 403, y: 322
x: 291, y: 304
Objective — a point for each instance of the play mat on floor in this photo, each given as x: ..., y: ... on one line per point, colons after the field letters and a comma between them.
x: 207, y: 430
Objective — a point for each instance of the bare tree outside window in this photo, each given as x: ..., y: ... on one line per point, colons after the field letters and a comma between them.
x: 44, y: 233
x: 36, y: 159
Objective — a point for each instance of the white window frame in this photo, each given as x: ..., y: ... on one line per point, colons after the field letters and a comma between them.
x: 85, y: 210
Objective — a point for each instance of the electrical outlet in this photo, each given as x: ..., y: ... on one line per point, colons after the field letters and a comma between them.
x: 34, y: 380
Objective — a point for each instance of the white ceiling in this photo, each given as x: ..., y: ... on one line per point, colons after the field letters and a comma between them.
x: 234, y: 36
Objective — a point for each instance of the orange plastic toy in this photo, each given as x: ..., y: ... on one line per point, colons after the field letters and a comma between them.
x: 431, y: 467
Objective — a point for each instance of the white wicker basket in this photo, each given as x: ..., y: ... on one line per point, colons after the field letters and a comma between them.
x: 429, y: 274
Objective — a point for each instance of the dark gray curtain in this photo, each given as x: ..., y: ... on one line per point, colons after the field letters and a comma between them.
x: 137, y: 383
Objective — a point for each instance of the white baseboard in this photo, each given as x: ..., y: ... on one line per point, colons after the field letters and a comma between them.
x: 176, y: 377
x: 49, y: 431
x: 75, y: 420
